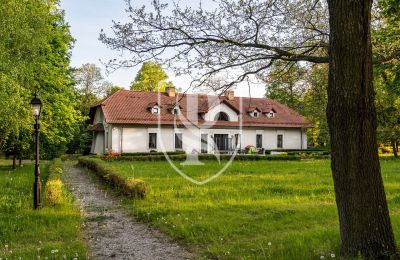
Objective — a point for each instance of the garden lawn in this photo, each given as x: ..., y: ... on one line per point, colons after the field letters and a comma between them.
x: 52, y: 232
x: 255, y: 210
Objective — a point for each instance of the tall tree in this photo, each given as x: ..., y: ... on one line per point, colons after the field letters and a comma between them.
x: 287, y: 85
x: 151, y: 77
x: 315, y: 101
x: 90, y: 85
x: 247, y: 37
x: 40, y: 64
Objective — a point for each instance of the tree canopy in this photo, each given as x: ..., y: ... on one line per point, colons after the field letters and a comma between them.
x: 39, y: 64
x: 151, y: 77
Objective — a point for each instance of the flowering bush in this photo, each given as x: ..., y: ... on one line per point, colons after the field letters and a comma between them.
x: 250, y: 149
x: 111, y: 155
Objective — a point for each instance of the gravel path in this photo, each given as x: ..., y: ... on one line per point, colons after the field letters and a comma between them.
x: 109, y: 230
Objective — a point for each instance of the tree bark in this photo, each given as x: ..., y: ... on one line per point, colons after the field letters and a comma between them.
x: 365, y: 227
x: 14, y: 165
x: 394, y: 146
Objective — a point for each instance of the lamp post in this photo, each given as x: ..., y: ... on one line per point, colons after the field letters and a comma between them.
x: 36, y: 105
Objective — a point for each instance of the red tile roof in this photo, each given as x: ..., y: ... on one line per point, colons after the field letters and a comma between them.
x: 132, y: 107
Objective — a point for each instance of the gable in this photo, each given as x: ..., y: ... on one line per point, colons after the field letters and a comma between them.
x: 222, y: 107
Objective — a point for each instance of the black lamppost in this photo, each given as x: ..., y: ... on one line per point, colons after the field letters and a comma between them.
x: 36, y: 105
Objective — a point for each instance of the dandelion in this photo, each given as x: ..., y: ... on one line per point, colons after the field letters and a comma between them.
x: 222, y: 238
x: 6, y: 246
x: 52, y: 251
x: 333, y: 255
x: 322, y: 257
x: 269, y: 243
x: 75, y: 258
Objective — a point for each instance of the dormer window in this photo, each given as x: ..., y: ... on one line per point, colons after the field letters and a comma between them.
x: 270, y: 114
x: 254, y: 112
x: 176, y: 110
x: 155, y: 110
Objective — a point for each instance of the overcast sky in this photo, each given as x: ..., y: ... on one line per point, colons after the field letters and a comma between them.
x: 88, y: 17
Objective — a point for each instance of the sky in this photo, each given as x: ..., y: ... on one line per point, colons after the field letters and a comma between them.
x: 87, y: 17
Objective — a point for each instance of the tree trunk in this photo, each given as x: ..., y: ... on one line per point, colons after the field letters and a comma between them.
x: 20, y: 161
x: 365, y: 226
x: 14, y: 165
x: 394, y: 146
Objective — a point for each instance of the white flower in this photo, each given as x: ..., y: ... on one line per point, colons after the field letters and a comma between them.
x: 269, y: 243
x: 322, y: 257
x: 333, y: 255
x: 222, y: 238
x: 75, y: 258
x: 55, y: 250
x: 38, y: 249
x: 52, y: 251
x: 6, y: 246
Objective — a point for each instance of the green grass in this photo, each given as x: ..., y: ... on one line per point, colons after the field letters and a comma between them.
x: 52, y: 232
x: 255, y: 210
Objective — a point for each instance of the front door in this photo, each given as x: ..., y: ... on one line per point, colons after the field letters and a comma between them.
x: 221, y: 142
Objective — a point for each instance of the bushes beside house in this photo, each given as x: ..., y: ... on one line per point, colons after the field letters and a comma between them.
x: 210, y: 157
x: 128, y: 185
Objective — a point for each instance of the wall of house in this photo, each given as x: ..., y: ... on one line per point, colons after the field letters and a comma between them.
x: 136, y: 139
x: 98, y: 143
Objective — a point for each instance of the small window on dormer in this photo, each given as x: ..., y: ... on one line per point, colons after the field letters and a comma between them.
x: 254, y: 113
x: 270, y: 114
x: 155, y: 110
x: 176, y: 110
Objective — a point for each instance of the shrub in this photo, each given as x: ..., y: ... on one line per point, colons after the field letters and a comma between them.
x: 153, y: 153
x: 111, y: 155
x: 129, y: 186
x: 53, y: 191
x: 53, y: 188
x: 66, y: 157
x: 212, y: 157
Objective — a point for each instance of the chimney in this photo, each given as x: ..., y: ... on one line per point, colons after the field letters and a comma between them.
x: 171, y: 92
x: 230, y: 94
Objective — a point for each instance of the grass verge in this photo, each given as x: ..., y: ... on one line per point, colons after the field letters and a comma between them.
x: 255, y: 210
x: 52, y: 232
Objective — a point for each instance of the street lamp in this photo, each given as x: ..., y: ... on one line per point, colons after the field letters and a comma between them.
x: 36, y: 105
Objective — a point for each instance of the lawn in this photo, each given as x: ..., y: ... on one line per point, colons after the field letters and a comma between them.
x: 255, y: 210
x: 52, y: 232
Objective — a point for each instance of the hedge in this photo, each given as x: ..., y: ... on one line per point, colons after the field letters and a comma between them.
x: 211, y: 157
x: 129, y: 186
x: 54, y: 184
x: 152, y: 153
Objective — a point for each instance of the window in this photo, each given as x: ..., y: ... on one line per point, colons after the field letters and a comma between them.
x: 270, y: 114
x: 152, y: 140
x: 221, y: 116
x: 176, y: 110
x: 280, y: 141
x: 259, y: 140
x: 178, y: 141
x: 155, y: 110
x: 255, y: 113
x: 204, y: 143
x: 237, y: 141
